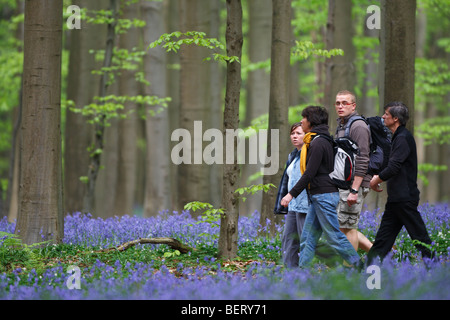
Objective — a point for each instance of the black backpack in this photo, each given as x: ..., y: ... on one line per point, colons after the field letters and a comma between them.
x: 380, y: 142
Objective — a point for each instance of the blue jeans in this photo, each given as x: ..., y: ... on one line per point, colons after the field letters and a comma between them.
x: 322, y: 218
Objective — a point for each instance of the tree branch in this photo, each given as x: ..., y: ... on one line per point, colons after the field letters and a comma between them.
x: 173, y: 243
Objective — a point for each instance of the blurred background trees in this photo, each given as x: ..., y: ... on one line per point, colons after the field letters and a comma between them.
x: 136, y: 173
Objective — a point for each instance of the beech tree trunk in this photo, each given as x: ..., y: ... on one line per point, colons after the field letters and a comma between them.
x: 193, y: 183
x: 172, y: 13
x: 340, y: 70
x: 12, y: 203
x: 398, y: 36
x: 40, y: 214
x: 82, y: 86
x: 99, y: 130
x: 127, y: 148
x: 258, y: 89
x: 278, y: 101
x: 157, y: 182
x: 229, y: 221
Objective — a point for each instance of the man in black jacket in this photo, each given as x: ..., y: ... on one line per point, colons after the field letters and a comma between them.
x: 403, y: 194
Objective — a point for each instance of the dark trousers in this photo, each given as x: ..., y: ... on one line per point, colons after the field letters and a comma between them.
x: 397, y: 215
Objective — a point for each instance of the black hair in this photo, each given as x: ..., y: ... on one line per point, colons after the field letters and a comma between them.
x: 316, y: 115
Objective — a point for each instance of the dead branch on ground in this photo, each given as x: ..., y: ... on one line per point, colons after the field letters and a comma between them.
x: 173, y: 243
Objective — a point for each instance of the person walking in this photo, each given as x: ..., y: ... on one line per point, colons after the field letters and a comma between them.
x: 351, y: 200
x: 298, y: 207
x: 316, y: 163
x: 403, y: 195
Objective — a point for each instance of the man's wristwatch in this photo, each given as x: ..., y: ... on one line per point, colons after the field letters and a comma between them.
x: 353, y: 191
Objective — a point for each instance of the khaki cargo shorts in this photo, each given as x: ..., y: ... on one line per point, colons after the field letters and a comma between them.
x: 349, y: 216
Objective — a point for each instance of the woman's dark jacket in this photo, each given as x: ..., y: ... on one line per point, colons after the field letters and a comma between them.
x: 319, y: 164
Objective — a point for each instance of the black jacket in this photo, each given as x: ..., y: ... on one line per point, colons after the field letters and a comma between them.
x: 319, y: 164
x: 401, y: 171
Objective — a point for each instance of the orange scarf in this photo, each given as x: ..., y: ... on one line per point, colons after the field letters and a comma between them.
x: 307, y: 140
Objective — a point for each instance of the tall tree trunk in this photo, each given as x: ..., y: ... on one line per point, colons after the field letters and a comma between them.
x: 216, y: 97
x: 12, y: 202
x: 157, y: 183
x: 398, y: 43
x: 106, y: 183
x: 82, y: 86
x: 258, y: 87
x: 340, y: 70
x: 445, y: 160
x: 127, y: 165
x: 41, y: 214
x: 278, y: 101
x: 193, y: 182
x: 419, y: 114
x: 369, y: 105
x: 229, y: 221
x: 99, y: 130
x: 172, y: 13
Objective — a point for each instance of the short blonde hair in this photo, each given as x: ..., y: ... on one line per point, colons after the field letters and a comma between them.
x: 346, y: 92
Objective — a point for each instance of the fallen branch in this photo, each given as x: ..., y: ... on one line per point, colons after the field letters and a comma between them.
x: 173, y: 243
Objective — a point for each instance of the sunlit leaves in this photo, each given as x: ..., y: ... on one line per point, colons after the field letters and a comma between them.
x: 173, y: 42
x: 306, y: 49
x: 110, y: 107
x: 435, y: 130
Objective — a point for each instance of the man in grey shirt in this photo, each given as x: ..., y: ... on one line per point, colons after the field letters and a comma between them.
x: 351, y: 201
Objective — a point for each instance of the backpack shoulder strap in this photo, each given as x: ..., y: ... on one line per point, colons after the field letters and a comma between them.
x: 350, y: 122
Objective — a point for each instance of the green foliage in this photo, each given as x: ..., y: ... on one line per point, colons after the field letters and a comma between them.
x: 210, y: 215
x: 14, y: 252
x: 432, y: 86
x: 122, y: 59
x: 309, y: 16
x: 105, y: 108
x: 305, y: 49
x: 106, y: 17
x: 435, y: 130
x: 425, y: 168
x: 432, y: 76
x: 11, y: 62
x: 171, y: 254
x: 109, y: 107
x: 173, y: 42
x: 253, y: 189
x: 262, y: 121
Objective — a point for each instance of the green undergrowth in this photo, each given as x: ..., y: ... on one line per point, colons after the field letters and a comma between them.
x: 40, y: 258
